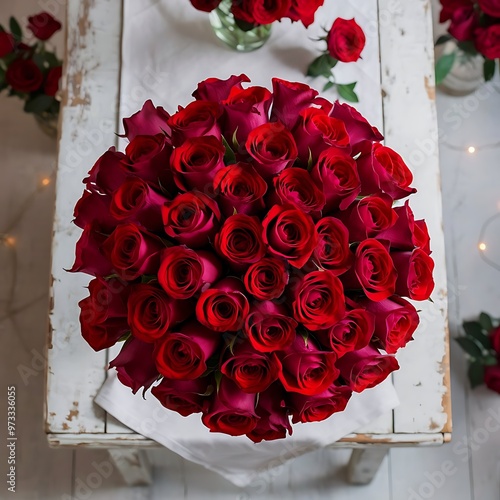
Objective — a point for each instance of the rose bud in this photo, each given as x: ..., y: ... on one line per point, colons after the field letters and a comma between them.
x: 269, y: 327
x: 266, y: 279
x: 351, y: 333
x: 214, y: 89
x: 7, y: 44
x: 136, y: 201
x: 373, y: 271
x: 183, y: 272
x: 195, y: 163
x: 382, y: 169
x: 147, y: 156
x: 239, y: 240
x: 492, y: 377
x: 407, y: 233
x: 290, y: 234
x: 150, y: 120
x: 151, y: 312
x: 333, y: 252
x: 369, y: 217
x: 289, y: 99
x: 495, y: 339
x: 184, y: 354
x: 304, y: 10
x: 274, y: 421
x: 133, y: 251
x: 337, y: 172
x: 89, y: 257
x: 366, y: 368
x: 191, y: 219
x: 135, y: 365
x: 92, y: 208
x: 23, y: 75
x: 414, y: 274
x: 198, y: 119
x: 103, y: 315
x: 395, y: 321
x: 246, y: 109
x: 318, y: 300
x: 253, y: 371
x: 357, y: 126
x: 205, y: 5
x: 272, y: 147
x: 345, y: 40
x: 232, y: 411
x: 224, y: 307
x: 295, y: 186
x: 183, y: 396
x: 316, y: 131
x: 318, y: 408
x: 241, y: 188
x: 108, y: 174
x: 43, y: 25
x: 305, y: 369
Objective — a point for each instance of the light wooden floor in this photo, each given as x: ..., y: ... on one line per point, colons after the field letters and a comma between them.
x: 467, y: 468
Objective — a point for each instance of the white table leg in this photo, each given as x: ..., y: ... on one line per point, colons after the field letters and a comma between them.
x: 133, y: 465
x: 364, y: 464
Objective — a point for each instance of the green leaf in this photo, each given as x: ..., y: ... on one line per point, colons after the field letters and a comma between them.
x: 2, y: 29
x: 218, y: 378
x: 474, y: 330
x: 229, y: 156
x: 443, y: 39
x: 476, y: 374
x: 444, y: 65
x: 489, y: 69
x: 468, y: 47
x: 328, y: 85
x: 38, y: 104
x: 236, y: 146
x: 470, y: 347
x: 322, y: 66
x: 39, y: 60
x: 244, y: 25
x: 485, y: 318
x: 347, y: 92
x: 148, y: 278
x: 15, y: 29
x: 490, y: 361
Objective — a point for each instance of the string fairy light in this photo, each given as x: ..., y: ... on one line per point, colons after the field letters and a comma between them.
x: 471, y: 149
x: 483, y: 246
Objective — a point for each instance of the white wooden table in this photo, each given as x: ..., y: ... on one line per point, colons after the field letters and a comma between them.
x: 89, y: 120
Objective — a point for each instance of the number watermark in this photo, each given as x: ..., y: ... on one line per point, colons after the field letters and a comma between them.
x: 11, y: 439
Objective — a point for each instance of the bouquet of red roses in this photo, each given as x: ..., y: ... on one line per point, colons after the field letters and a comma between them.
x: 475, y: 25
x: 249, y: 13
x: 248, y: 252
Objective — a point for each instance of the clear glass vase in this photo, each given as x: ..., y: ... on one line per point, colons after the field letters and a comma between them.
x: 47, y: 123
x: 232, y: 34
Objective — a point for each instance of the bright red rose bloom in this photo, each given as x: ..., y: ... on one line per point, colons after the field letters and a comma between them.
x: 463, y: 23
x: 414, y: 274
x: 333, y: 252
x: 108, y: 174
x: 304, y: 10
x: 267, y: 278
x: 52, y: 81
x: 495, y: 339
x: 346, y: 40
x: 150, y: 120
x: 43, y: 25
x: 450, y: 6
x: 93, y: 208
x: 487, y: 41
x: 23, y: 75
x: 260, y: 11
x: 491, y: 7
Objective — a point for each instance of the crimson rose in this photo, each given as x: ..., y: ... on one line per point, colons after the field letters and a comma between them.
x: 43, y: 25
x: 23, y: 75
x: 346, y: 40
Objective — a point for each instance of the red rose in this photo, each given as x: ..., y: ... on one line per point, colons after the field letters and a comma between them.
x: 492, y: 377
x: 260, y: 11
x: 135, y: 365
x: 395, y: 321
x: 351, y: 333
x: 273, y: 422
x: 491, y: 7
x: 463, y: 23
x: 232, y: 411
x: 304, y: 10
x: 191, y: 219
x: 6, y: 43
x: 43, y: 25
x: 103, y: 315
x: 214, y: 89
x: 374, y: 271
x: 241, y: 188
x: 224, y: 307
x: 107, y: 175
x: 366, y: 368
x: 369, y: 217
x: 305, y: 369
x: 94, y: 208
x: 183, y: 272
x: 151, y: 312
x: 23, y: 75
x: 272, y: 147
x: 196, y: 163
x: 205, y: 5
x: 251, y: 370
x: 266, y: 279
x: 319, y: 300
x: 414, y: 274
x: 136, y: 201
x: 337, y: 172
x: 345, y: 40
x: 150, y: 120
x: 487, y: 41
x: 450, y: 6
x: 332, y: 251
x: 290, y: 233
x: 133, y: 251
x: 495, y: 339
x: 197, y: 119
x: 184, y: 354
x: 295, y: 186
x: 52, y: 81
x: 319, y: 407
x: 239, y: 240
x: 269, y: 327
x: 183, y: 396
